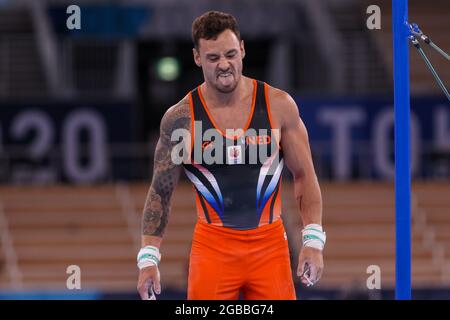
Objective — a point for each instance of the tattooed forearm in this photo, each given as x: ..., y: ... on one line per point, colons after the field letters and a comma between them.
x: 165, y: 172
x: 157, y: 204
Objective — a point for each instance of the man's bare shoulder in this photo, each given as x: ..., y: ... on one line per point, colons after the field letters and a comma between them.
x: 282, y: 106
x: 177, y: 116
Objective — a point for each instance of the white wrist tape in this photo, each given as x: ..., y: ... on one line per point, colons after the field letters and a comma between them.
x: 313, y: 236
x: 148, y: 256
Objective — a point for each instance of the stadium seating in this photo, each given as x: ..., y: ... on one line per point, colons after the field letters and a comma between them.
x: 98, y: 229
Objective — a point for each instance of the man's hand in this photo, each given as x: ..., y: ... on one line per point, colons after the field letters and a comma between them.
x: 310, y: 265
x: 149, y: 282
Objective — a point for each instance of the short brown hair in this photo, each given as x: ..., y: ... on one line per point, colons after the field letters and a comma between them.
x: 212, y: 23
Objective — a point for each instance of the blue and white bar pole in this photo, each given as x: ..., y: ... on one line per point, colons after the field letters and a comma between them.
x: 401, y: 32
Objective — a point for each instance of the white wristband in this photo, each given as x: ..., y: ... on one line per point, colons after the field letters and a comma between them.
x: 148, y: 256
x: 313, y: 236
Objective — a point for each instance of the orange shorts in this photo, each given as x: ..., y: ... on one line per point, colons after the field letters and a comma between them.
x: 225, y: 262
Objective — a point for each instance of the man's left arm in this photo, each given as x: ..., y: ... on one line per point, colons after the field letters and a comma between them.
x: 297, y: 155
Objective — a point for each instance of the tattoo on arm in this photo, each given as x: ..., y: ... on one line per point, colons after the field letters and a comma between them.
x: 165, y: 172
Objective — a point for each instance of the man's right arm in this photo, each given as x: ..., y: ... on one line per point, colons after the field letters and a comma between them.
x: 157, y: 205
x: 165, y: 175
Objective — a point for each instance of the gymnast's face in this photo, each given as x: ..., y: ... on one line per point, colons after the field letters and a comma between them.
x: 221, y: 60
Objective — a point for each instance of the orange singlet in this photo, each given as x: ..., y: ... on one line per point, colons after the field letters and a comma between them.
x: 239, y: 243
